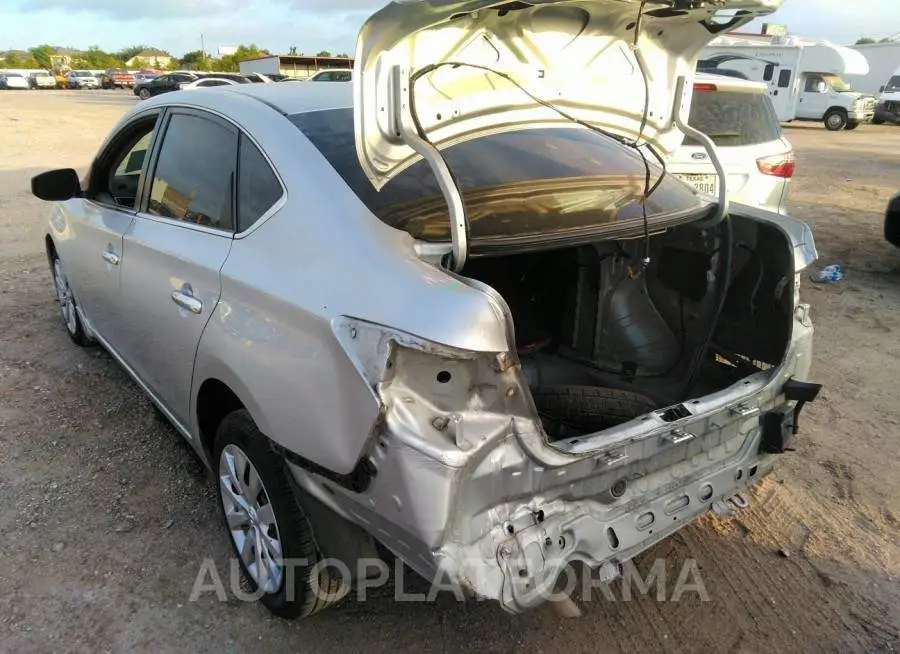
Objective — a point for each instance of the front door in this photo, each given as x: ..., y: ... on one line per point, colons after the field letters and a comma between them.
x: 175, y: 248
x: 104, y: 215
x: 815, y: 98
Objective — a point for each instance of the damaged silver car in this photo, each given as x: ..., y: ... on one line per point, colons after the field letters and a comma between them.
x: 456, y: 310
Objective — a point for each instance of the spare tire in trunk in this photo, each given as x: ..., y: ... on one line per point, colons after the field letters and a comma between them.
x: 568, y: 411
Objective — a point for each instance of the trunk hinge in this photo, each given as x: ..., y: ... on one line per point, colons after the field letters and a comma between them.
x: 709, y: 146
x: 406, y: 127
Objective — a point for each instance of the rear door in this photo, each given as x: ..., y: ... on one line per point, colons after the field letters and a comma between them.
x: 175, y: 248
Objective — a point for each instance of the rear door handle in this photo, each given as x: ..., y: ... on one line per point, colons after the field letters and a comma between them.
x: 184, y: 298
x: 110, y: 257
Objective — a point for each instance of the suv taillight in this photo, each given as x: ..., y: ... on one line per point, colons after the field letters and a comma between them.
x: 777, y: 165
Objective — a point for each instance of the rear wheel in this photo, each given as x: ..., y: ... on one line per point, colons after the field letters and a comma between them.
x: 852, y: 125
x: 836, y: 120
x: 68, y: 306
x: 269, y: 532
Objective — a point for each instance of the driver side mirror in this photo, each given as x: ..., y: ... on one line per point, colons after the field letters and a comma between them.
x: 881, y: 89
x: 56, y: 185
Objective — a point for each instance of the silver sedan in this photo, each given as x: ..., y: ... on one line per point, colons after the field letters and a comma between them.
x: 435, y: 314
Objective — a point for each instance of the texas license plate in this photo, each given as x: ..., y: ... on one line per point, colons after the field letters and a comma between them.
x: 706, y: 184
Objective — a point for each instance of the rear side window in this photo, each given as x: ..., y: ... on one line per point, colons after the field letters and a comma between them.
x: 258, y: 187
x: 193, y: 177
x: 524, y: 183
x: 769, y: 72
x: 732, y: 118
x: 784, y: 78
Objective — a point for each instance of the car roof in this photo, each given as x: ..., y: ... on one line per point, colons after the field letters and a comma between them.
x: 729, y: 83
x: 298, y: 98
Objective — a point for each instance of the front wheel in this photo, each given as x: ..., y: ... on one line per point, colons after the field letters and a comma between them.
x: 852, y: 125
x: 835, y: 120
x: 144, y: 94
x: 269, y: 532
x: 68, y: 307
x: 878, y: 121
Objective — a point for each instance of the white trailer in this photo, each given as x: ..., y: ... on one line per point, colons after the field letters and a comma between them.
x: 270, y: 65
x: 805, y: 78
x: 883, y: 58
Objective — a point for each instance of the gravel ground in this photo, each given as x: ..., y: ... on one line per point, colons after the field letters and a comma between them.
x: 107, y: 517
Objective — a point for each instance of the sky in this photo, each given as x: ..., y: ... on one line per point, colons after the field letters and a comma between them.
x: 315, y: 25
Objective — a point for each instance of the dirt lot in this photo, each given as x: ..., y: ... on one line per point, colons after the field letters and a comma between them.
x: 106, y: 516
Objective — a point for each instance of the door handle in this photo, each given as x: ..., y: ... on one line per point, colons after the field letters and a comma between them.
x: 110, y: 257
x: 184, y: 299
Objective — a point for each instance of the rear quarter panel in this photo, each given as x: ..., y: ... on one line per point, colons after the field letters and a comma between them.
x: 321, y: 256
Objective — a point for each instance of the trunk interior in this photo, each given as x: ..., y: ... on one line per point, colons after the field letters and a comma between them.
x: 603, y: 339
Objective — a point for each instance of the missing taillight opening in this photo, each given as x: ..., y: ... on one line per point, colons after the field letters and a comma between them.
x: 779, y: 165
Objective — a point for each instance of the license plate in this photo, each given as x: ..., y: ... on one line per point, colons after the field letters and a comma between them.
x: 706, y: 184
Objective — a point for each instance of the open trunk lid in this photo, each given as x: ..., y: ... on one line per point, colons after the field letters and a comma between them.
x: 432, y: 73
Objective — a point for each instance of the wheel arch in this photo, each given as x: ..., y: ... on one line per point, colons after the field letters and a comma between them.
x: 214, y: 400
x: 837, y: 108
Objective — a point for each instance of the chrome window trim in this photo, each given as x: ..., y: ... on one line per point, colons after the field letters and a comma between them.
x: 216, y: 231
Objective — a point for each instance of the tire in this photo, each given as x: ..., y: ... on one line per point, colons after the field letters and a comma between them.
x: 144, y: 94
x: 590, y: 408
x: 835, y: 120
x: 68, y: 306
x: 878, y: 121
x: 238, y: 436
x: 851, y: 125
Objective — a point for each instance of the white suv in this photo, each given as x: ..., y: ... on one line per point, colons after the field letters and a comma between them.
x: 738, y: 116
x: 82, y: 79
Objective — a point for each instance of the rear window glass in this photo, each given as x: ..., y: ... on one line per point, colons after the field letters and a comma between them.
x: 732, y: 118
x: 523, y: 183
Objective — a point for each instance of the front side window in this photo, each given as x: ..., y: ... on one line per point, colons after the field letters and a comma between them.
x: 526, y: 183
x: 893, y: 85
x: 733, y: 118
x: 814, y: 84
x: 118, y: 171
x: 194, y: 172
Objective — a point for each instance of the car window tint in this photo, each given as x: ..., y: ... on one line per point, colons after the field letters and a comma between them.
x: 258, y: 187
x: 558, y: 179
x: 192, y: 179
x: 769, y: 72
x: 732, y: 118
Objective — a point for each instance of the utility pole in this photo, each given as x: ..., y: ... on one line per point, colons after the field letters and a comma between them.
x: 202, y: 53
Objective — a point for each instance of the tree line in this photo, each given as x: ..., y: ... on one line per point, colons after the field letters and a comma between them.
x: 96, y: 59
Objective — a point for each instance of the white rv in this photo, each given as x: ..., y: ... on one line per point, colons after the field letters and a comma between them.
x: 888, y: 107
x: 804, y: 77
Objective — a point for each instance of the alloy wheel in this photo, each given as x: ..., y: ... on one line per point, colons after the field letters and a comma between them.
x: 66, y: 300
x: 250, y: 517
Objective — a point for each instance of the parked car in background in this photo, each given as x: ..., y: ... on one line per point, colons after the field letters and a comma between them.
x: 41, y: 79
x: 888, y: 107
x: 892, y: 221
x: 177, y: 80
x: 739, y: 118
x: 83, y: 79
x: 118, y: 78
x: 601, y: 362
x: 333, y: 75
x: 163, y: 84
x: 145, y: 76
x: 260, y: 78
x: 11, y: 80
